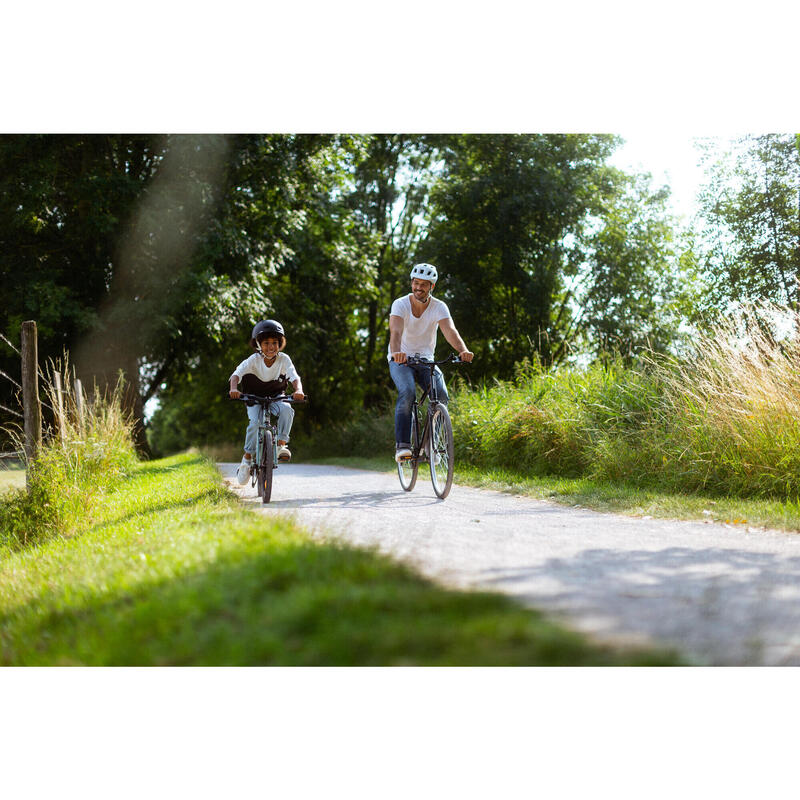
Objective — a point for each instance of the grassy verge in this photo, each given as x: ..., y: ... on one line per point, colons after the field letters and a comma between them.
x: 173, y: 571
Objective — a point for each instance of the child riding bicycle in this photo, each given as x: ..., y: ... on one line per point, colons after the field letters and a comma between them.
x: 266, y: 372
x: 414, y: 321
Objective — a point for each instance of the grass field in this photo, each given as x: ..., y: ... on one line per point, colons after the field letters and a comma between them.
x: 172, y: 571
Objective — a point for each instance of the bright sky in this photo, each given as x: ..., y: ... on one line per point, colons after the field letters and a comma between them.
x: 671, y: 159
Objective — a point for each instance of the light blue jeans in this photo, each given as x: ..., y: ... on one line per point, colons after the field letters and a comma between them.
x: 285, y: 415
x: 404, y: 377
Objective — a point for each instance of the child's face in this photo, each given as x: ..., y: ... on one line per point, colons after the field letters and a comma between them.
x: 270, y: 346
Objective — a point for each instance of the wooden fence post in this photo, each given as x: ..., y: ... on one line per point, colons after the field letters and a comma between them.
x: 59, y: 406
x: 79, y: 403
x: 32, y: 410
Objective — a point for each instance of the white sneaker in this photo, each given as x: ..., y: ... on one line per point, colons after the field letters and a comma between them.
x: 402, y: 453
x: 243, y: 473
x: 284, y: 453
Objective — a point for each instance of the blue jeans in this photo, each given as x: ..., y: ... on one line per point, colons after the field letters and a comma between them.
x: 285, y: 418
x: 404, y: 376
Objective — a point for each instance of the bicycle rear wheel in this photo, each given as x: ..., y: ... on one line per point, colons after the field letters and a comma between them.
x: 408, y: 467
x: 440, y: 451
x: 266, y: 463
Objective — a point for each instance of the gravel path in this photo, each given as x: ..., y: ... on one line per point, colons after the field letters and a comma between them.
x: 720, y: 594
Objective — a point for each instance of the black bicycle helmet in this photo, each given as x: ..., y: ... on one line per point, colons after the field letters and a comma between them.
x: 267, y: 327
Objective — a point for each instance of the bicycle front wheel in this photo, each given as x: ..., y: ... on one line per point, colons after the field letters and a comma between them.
x: 408, y: 467
x: 266, y: 464
x: 440, y: 451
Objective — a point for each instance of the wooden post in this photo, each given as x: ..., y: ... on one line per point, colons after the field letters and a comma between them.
x: 59, y: 405
x: 79, y: 403
x: 32, y: 410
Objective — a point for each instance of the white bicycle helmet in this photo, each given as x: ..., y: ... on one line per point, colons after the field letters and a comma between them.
x: 425, y: 272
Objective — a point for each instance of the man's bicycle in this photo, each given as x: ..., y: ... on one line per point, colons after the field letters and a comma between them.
x: 265, y: 460
x: 431, y: 443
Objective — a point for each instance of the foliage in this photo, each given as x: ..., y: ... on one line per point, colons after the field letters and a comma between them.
x: 73, y: 470
x: 155, y: 255
x: 751, y: 210
x: 141, y: 249
x: 550, y: 421
x: 503, y: 210
x: 64, y: 204
x: 632, y: 291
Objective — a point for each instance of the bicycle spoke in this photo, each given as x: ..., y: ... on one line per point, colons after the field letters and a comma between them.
x: 441, y: 452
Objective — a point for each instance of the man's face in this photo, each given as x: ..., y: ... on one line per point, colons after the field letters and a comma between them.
x: 421, y: 289
x: 269, y: 346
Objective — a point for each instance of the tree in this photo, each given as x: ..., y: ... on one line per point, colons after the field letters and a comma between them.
x: 63, y: 200
x: 633, y: 288
x: 508, y: 213
x: 751, y: 210
x: 135, y: 251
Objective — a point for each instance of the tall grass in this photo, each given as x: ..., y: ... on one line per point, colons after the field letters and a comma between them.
x: 731, y: 420
x: 550, y: 422
x: 79, y: 460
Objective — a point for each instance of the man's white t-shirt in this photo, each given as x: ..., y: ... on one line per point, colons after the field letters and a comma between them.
x: 419, y: 333
x: 255, y: 364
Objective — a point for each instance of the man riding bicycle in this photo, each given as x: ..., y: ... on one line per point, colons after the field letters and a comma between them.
x: 413, y: 323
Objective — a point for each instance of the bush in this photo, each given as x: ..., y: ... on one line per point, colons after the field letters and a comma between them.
x: 72, y: 469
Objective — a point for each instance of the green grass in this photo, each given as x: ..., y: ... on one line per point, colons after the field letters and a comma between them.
x: 173, y: 571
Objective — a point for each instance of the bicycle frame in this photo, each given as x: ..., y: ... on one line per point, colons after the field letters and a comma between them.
x: 419, y: 454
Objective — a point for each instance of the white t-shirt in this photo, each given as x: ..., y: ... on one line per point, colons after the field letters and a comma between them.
x: 419, y: 333
x: 255, y: 364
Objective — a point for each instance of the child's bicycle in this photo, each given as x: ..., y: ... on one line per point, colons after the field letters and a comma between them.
x: 433, y: 442
x: 265, y: 460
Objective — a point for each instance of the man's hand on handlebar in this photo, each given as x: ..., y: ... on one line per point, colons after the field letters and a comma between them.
x: 299, y: 396
x: 466, y: 356
x: 235, y: 395
x: 399, y: 358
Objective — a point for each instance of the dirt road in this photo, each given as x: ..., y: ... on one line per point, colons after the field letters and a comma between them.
x: 719, y: 594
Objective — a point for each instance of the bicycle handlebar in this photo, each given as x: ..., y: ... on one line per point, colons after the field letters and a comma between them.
x: 279, y: 398
x: 451, y: 359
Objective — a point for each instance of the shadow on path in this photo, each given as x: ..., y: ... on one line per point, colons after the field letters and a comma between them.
x: 728, y: 606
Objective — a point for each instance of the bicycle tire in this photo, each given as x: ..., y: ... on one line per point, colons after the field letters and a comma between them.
x: 266, y: 467
x: 440, y: 451
x: 256, y: 462
x: 408, y: 468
